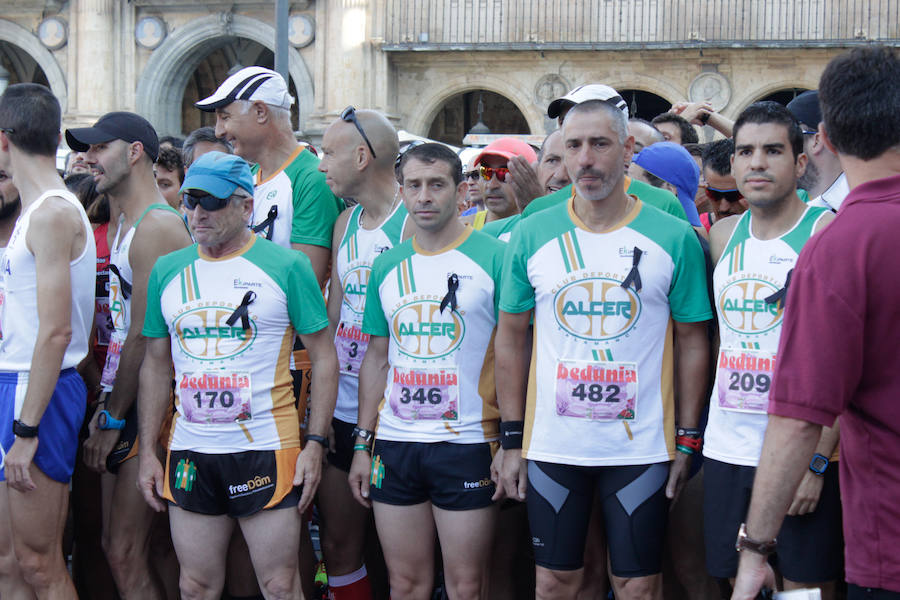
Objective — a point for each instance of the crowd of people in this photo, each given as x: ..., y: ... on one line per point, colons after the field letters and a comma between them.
x: 626, y: 364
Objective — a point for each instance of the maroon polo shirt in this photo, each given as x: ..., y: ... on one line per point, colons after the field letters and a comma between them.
x: 839, y: 355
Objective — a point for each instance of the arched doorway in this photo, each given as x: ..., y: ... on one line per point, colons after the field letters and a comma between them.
x: 644, y: 105
x: 26, y: 60
x: 783, y: 96
x: 20, y: 66
x: 162, y: 90
x: 214, y: 69
x: 460, y: 113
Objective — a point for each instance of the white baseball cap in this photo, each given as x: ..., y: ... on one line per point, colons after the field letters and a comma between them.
x: 583, y: 93
x: 250, y: 83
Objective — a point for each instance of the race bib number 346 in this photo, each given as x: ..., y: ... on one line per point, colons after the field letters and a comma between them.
x: 215, y: 397
x: 596, y: 391
x: 744, y: 379
x: 420, y: 394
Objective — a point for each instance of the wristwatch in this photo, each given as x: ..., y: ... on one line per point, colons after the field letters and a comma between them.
x: 744, y: 542
x: 364, y: 434
x: 818, y: 464
x: 106, y: 421
x: 22, y: 430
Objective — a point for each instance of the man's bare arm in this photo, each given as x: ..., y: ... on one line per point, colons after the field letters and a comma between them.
x: 319, y: 257
x: 512, y: 362
x: 155, y: 377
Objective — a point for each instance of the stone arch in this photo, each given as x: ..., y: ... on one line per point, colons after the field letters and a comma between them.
x: 428, y: 106
x: 645, y: 83
x: 27, y: 41
x: 771, y: 87
x: 163, y: 81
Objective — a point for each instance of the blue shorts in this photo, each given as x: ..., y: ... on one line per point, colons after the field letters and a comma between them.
x: 58, y: 429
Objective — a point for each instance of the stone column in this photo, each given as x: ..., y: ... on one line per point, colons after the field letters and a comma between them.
x: 91, y: 75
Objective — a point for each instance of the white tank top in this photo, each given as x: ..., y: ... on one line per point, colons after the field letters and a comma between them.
x: 18, y: 294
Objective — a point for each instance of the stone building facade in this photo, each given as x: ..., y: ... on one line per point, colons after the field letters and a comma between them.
x: 426, y: 63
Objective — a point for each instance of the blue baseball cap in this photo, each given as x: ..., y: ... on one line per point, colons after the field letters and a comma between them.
x: 218, y: 174
x: 675, y: 165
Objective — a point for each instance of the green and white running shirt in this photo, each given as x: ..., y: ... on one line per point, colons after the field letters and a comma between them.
x: 440, y: 385
x: 358, y: 249
x: 601, y: 386
x: 233, y: 389
x: 749, y: 271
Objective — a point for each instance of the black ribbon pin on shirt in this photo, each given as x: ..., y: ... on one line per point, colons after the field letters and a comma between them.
x: 269, y: 222
x: 124, y: 285
x: 780, y: 297
x: 241, y: 311
x: 633, y: 275
x: 450, y: 298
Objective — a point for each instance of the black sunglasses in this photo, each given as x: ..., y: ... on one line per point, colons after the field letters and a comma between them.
x: 349, y: 115
x: 209, y: 202
x: 718, y: 195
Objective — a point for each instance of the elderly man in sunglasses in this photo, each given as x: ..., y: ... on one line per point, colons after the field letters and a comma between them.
x: 224, y: 312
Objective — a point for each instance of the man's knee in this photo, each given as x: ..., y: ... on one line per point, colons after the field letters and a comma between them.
x: 194, y: 586
x: 640, y: 588
x: 406, y: 586
x: 124, y: 551
x: 284, y: 585
x: 551, y: 584
x: 39, y: 570
x: 465, y: 588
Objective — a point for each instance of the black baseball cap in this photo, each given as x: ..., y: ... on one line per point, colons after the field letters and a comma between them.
x: 124, y: 126
x: 805, y: 108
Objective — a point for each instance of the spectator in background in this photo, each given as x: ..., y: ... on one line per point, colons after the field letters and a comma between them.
x: 675, y: 128
x: 75, y: 163
x: 644, y: 133
x: 474, y: 189
x: 551, y: 170
x: 169, y: 170
x: 493, y: 163
x: 700, y: 198
x: 171, y: 141
x: 721, y: 188
x: 199, y: 142
x: 702, y: 113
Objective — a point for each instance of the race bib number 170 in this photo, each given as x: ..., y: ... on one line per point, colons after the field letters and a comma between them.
x: 596, y: 391
x: 215, y: 397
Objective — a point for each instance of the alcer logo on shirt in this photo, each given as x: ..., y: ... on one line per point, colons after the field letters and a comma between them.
x: 596, y: 308
x: 203, y: 333
x: 354, y: 284
x: 744, y: 309
x: 422, y: 331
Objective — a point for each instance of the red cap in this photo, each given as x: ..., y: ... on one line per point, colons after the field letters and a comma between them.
x: 507, y: 148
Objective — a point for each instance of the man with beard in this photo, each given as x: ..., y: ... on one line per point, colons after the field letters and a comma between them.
x: 121, y: 149
x: 824, y: 178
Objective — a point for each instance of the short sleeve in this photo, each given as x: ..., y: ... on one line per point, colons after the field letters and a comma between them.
x: 154, y: 323
x: 316, y: 208
x: 374, y: 321
x: 306, y: 306
x: 517, y: 293
x: 688, y: 295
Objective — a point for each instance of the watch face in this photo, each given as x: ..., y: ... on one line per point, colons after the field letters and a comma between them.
x: 819, y: 464
x: 101, y: 420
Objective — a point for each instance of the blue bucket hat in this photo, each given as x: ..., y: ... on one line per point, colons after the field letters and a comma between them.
x: 675, y: 165
x: 218, y: 174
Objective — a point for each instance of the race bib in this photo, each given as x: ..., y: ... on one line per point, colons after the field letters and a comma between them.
x: 113, y: 353
x: 423, y: 394
x: 596, y: 391
x: 351, y: 344
x: 215, y: 397
x: 744, y: 379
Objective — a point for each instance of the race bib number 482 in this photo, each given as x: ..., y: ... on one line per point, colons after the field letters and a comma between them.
x: 216, y: 397
x: 744, y: 379
x: 425, y: 394
x: 596, y: 391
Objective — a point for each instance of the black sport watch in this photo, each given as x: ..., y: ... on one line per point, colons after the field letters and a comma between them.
x: 818, y: 464
x: 364, y: 434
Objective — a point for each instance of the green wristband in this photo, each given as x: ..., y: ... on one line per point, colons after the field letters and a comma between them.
x: 358, y: 447
x: 684, y: 449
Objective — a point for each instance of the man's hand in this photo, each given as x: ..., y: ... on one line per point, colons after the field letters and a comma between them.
x: 807, y: 497
x: 151, y: 480
x: 496, y: 467
x: 753, y: 574
x: 360, y: 477
x: 308, y: 473
x: 691, y: 111
x: 98, y: 446
x: 678, y: 474
x: 524, y: 181
x: 17, y: 464
x: 513, y: 476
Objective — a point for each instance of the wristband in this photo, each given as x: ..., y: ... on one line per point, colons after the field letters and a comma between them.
x: 319, y: 439
x: 684, y: 449
x: 363, y: 447
x: 22, y: 430
x: 688, y: 432
x: 511, y: 433
x: 689, y: 442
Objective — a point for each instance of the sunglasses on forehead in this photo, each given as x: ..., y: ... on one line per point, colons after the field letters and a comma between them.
x: 349, y: 115
x: 719, y: 195
x: 499, y: 172
x: 208, y: 202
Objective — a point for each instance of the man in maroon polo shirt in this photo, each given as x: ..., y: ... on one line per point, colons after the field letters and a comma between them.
x: 837, y: 355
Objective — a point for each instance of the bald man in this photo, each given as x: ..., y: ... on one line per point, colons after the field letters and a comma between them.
x: 358, y: 154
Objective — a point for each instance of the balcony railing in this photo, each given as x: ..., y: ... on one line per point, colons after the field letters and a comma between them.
x: 618, y: 24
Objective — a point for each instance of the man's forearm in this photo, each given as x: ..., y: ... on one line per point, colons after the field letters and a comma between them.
x: 692, y: 349
x: 372, y: 377
x: 125, y: 388
x: 324, y: 385
x: 786, y: 453
x: 829, y: 438
x: 512, y: 363
x: 155, y: 383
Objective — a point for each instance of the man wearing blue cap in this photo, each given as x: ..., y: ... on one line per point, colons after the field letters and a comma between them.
x: 679, y: 173
x: 120, y: 150
x: 220, y: 311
